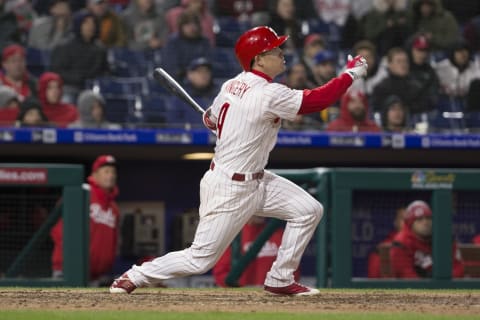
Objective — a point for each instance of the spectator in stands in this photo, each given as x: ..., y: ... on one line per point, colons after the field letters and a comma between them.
x: 374, y: 263
x: 400, y: 83
x: 199, y: 79
x: 11, y: 32
x: 15, y: 73
x: 25, y: 14
x: 377, y: 70
x: 411, y: 252
x: 91, y: 107
x: 251, y: 12
x: 81, y: 58
x: 457, y: 71
x: 199, y: 7
x: 146, y: 27
x: 386, y: 24
x: 437, y: 24
x: 185, y: 46
x: 104, y: 221
x: 394, y: 115
x: 50, y: 86
x: 421, y: 70
x: 325, y: 67
x: 254, y: 274
x: 283, y: 19
x: 313, y: 44
x: 296, y: 78
x: 31, y: 115
x: 353, y: 115
x: 333, y: 11
x: 111, y: 30
x: 9, y: 106
x: 52, y: 29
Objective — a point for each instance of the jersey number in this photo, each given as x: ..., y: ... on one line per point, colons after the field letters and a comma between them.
x: 221, y: 118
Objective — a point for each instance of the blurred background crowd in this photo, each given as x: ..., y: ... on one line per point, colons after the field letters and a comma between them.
x: 89, y: 64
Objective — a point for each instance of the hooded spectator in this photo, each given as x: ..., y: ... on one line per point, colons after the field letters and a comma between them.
x: 457, y: 72
x: 353, y: 115
x: 52, y: 29
x: 50, y: 94
x: 439, y: 25
x: 91, y: 107
x: 81, y: 58
x: 394, y: 115
x: 411, y: 252
x: 15, y: 74
x: 146, y: 27
x: 31, y: 115
x: 185, y: 46
x: 199, y: 7
x: 9, y: 106
x: 111, y: 29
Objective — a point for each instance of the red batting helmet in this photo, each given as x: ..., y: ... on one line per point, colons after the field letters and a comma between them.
x: 415, y: 210
x: 254, y: 42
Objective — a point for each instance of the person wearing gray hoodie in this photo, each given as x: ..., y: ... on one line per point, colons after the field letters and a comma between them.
x: 91, y: 107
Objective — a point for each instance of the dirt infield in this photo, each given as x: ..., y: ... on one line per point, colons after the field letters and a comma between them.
x: 231, y: 300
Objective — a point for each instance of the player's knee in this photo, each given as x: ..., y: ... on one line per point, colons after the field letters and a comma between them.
x: 317, y: 212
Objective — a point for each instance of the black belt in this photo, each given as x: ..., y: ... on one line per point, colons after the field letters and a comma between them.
x: 241, y: 176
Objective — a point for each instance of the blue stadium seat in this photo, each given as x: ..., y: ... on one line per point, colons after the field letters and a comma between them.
x: 448, y: 115
x: 227, y: 30
x: 118, y: 108
x: 225, y: 64
x: 472, y: 121
x: 154, y: 110
x: 130, y: 63
x: 119, y: 86
x: 38, y: 61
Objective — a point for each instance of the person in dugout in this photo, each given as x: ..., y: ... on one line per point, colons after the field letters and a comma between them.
x: 411, y: 252
x: 104, y: 222
x: 256, y: 271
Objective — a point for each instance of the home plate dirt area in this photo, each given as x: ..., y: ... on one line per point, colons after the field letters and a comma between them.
x: 243, y: 300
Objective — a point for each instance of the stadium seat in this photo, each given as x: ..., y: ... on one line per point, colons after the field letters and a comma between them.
x: 225, y: 64
x: 38, y: 60
x: 448, y: 116
x: 154, y: 110
x: 118, y: 108
x: 119, y: 86
x: 227, y: 30
x: 130, y: 63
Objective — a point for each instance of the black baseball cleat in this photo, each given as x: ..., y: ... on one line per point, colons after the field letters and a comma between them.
x: 295, y: 289
x: 123, y: 284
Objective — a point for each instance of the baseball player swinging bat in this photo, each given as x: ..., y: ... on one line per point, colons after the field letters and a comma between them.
x: 174, y: 87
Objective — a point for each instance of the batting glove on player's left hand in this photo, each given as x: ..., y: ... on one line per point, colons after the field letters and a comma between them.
x: 356, y: 67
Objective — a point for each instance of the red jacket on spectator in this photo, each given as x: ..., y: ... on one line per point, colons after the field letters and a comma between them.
x: 374, y: 269
x: 411, y: 257
x: 255, y: 273
x: 104, y: 222
x: 346, y: 121
x: 62, y: 114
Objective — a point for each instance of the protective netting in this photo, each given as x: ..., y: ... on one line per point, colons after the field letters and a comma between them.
x: 23, y: 210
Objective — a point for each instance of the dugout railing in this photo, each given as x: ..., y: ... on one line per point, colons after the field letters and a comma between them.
x: 440, y: 183
x: 71, y: 205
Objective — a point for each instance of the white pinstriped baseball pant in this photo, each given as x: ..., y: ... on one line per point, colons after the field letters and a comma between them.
x: 225, y: 206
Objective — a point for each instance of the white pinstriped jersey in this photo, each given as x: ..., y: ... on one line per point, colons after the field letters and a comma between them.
x: 248, y: 110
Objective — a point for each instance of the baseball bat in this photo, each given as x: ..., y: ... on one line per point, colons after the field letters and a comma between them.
x: 175, y: 88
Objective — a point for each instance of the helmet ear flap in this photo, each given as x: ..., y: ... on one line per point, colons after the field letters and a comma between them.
x: 255, y: 41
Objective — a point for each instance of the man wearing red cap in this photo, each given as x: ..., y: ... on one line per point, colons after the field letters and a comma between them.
x: 15, y: 74
x: 104, y: 220
x: 411, y: 252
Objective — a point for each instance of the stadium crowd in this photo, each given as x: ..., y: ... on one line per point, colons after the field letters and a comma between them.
x: 89, y: 63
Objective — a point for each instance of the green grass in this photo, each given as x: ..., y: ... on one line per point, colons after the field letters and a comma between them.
x: 150, y: 315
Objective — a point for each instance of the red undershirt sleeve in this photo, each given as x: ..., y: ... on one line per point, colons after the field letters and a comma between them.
x: 317, y: 99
